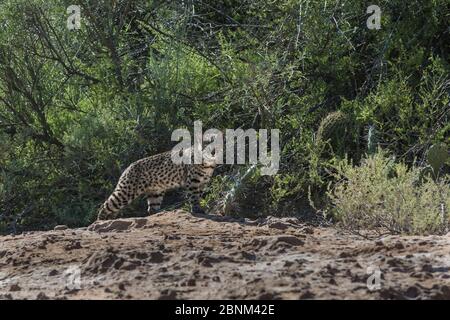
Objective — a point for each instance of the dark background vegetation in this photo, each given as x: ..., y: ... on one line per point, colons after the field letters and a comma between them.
x: 77, y: 107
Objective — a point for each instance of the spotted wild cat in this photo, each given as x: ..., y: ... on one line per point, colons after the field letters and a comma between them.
x: 152, y: 177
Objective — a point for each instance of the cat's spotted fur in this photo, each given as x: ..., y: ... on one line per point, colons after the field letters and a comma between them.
x: 152, y: 177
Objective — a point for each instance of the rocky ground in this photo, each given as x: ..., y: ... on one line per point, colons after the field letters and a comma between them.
x: 175, y: 255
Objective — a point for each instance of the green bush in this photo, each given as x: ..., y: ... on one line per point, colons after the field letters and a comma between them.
x: 77, y: 107
x: 387, y: 196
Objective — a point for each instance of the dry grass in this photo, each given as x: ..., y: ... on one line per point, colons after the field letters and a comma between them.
x: 386, y: 196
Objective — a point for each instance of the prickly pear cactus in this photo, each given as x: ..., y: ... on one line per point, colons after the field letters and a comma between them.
x: 425, y: 173
x: 437, y: 156
x: 333, y: 130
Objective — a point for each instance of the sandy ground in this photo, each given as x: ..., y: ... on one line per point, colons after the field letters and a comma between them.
x: 175, y: 255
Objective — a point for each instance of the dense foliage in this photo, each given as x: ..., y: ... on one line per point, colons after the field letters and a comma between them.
x: 77, y: 106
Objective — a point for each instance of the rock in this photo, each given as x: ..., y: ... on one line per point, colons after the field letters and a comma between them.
x: 293, y: 240
x: 248, y: 255
x: 42, y: 296
x: 427, y: 268
x: 208, y: 257
x: 266, y: 296
x: 307, y: 295
x: 102, y: 262
x: 279, y: 225
x: 60, y: 227
x: 167, y: 294
x: 156, y: 257
x: 118, y: 225
x: 444, y: 293
x: 73, y: 245
x: 14, y: 287
x: 412, y: 292
x: 110, y: 226
x: 191, y: 282
x: 53, y: 273
x: 399, y: 245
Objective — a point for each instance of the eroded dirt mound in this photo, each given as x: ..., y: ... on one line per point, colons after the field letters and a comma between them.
x: 175, y: 255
